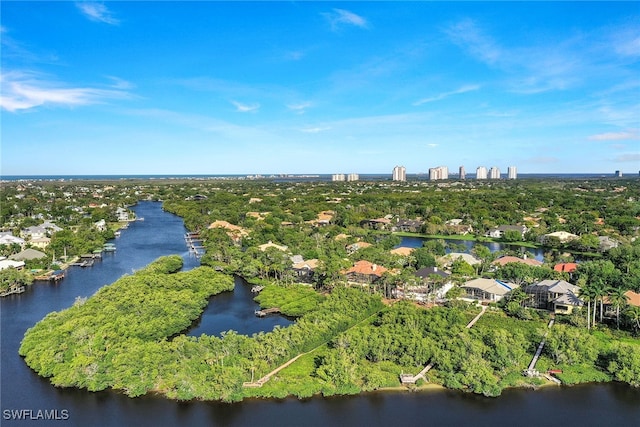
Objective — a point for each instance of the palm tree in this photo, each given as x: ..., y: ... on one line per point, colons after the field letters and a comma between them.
x: 633, y: 313
x: 618, y: 298
x: 587, y: 294
x: 599, y: 290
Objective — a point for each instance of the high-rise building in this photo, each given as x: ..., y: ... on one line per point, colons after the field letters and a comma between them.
x: 494, y: 172
x: 337, y: 177
x: 353, y: 177
x: 481, y: 172
x: 512, y: 173
x: 399, y: 173
x: 441, y: 172
x: 618, y: 174
x: 462, y: 173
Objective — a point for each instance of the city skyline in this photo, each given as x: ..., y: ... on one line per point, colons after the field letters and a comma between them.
x: 318, y: 87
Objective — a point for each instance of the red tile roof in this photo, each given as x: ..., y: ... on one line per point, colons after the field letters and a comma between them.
x: 366, y: 268
x: 566, y: 267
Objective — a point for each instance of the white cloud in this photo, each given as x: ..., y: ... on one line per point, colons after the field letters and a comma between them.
x: 340, y: 17
x: 26, y: 90
x: 245, y: 108
x: 463, y: 89
x: 432, y: 145
x: 299, y: 108
x: 315, y: 129
x: 615, y: 136
x: 97, y: 12
x: 468, y: 35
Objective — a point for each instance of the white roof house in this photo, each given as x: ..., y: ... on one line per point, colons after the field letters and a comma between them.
x: 488, y: 289
x: 7, y: 263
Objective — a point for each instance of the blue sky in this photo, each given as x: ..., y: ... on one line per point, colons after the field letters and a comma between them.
x: 318, y: 87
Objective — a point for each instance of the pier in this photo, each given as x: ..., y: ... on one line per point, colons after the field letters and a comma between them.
x: 13, y: 289
x: 530, y: 371
x: 265, y: 312
x: 194, y: 244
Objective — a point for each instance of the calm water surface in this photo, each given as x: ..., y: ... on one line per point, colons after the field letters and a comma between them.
x: 162, y: 234
x: 416, y: 242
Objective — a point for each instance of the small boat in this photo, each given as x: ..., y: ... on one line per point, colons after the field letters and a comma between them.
x: 117, y: 233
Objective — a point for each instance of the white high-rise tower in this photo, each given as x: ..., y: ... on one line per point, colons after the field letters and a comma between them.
x: 399, y: 173
x: 512, y: 173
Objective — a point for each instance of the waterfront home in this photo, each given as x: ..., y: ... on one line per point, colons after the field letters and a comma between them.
x: 27, y: 255
x: 498, y: 232
x: 364, y: 272
x: 402, y: 251
x: 304, y: 269
x: 561, y: 236
x: 409, y: 225
x: 507, y: 259
x: 449, y: 258
x: 377, y: 223
x: 558, y: 296
x: 123, y: 215
x: 234, y: 231
x: 489, y: 290
x: 100, y: 225
x: 9, y: 263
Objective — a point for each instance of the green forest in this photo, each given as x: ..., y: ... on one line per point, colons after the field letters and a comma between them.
x: 352, y: 335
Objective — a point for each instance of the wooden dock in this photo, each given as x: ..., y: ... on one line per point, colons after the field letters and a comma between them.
x: 262, y: 313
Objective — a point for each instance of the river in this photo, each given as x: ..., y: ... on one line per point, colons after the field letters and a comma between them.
x: 161, y: 233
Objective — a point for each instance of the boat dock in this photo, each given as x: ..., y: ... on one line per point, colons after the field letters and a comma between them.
x: 265, y: 312
x: 13, y: 289
x: 194, y: 244
x: 51, y: 276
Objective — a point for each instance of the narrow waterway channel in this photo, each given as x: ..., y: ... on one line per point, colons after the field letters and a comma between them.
x: 23, y: 393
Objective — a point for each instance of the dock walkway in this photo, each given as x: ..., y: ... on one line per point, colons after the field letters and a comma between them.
x: 531, y: 372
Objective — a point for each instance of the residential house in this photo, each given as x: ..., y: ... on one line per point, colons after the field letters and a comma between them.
x: 7, y: 238
x: 100, y: 225
x: 607, y: 243
x: 234, y: 231
x: 270, y: 244
x: 448, y: 259
x: 377, y: 223
x: 498, y: 232
x: 490, y: 290
x: 355, y: 246
x: 565, y: 267
x: 123, y: 214
x: 426, y: 273
x: 37, y: 231
x: 364, y: 272
x: 402, y: 251
x: 40, y: 242
x: 8, y: 263
x: 562, y: 236
x: 558, y: 296
x: 304, y: 269
x: 27, y: 255
x: 409, y: 225
x: 507, y: 259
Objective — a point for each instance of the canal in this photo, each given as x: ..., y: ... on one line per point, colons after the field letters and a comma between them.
x: 24, y: 393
